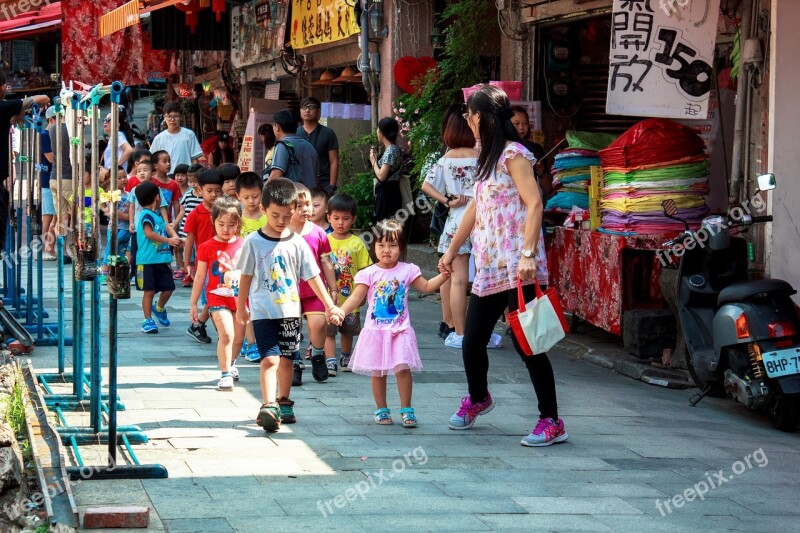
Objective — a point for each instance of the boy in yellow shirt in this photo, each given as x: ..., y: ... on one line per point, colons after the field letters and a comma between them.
x: 248, y: 190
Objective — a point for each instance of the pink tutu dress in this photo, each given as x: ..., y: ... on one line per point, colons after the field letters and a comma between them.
x: 387, y: 342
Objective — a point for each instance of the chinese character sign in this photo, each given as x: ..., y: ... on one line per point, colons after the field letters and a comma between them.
x: 661, y: 56
x: 321, y: 21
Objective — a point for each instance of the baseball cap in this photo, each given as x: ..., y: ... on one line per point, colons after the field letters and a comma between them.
x: 51, y: 112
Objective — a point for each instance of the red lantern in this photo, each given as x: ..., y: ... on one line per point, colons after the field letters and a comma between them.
x: 408, y: 70
x: 219, y: 8
x: 190, y: 9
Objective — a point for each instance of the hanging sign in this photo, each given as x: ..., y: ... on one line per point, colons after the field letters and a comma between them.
x: 257, y: 32
x: 661, y: 58
x: 321, y: 21
x: 263, y: 12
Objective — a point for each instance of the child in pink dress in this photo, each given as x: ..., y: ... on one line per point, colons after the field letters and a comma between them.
x: 387, y: 343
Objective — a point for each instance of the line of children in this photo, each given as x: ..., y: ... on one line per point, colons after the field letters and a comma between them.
x: 181, y: 178
x: 273, y: 260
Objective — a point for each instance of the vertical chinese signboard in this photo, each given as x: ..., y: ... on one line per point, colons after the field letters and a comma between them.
x: 661, y: 57
x: 321, y: 21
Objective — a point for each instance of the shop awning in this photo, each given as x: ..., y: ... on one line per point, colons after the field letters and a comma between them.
x: 29, y: 23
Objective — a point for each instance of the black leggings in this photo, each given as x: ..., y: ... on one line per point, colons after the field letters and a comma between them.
x: 482, y: 315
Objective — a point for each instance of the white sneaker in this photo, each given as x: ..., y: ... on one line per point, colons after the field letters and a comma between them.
x: 225, y: 384
x: 48, y: 257
x: 235, y: 373
x: 496, y: 341
x: 454, y: 341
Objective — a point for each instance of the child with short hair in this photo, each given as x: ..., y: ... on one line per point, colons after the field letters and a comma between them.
x: 181, y: 178
x: 144, y: 174
x: 229, y: 173
x: 191, y: 199
x: 312, y: 307
x: 272, y: 261
x: 319, y: 214
x: 349, y: 255
x: 248, y: 190
x: 153, y: 257
x: 170, y: 190
x: 200, y: 229
x: 123, y: 226
x: 218, y: 258
x: 387, y: 343
x: 139, y: 155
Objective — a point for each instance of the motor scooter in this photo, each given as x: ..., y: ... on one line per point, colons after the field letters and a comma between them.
x: 741, y: 336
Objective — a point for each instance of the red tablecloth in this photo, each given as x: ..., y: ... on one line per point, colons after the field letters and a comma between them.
x: 592, y: 274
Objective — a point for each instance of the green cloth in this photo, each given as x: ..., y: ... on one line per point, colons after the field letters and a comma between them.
x: 589, y: 140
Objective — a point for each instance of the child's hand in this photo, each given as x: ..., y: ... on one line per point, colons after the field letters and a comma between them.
x: 174, y: 241
x: 335, y: 315
x: 242, y: 316
x: 193, y: 315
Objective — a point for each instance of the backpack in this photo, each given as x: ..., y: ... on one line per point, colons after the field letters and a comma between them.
x: 294, y: 170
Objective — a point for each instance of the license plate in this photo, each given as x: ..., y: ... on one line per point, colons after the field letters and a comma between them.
x: 782, y: 362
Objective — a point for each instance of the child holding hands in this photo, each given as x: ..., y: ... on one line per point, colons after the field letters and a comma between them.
x: 387, y: 343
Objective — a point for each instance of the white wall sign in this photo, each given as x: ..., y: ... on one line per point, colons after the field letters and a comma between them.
x: 661, y: 56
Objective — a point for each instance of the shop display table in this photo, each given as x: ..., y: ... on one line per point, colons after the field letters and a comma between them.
x: 599, y: 276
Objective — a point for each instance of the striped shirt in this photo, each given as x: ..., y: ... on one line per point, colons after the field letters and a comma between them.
x: 189, y: 201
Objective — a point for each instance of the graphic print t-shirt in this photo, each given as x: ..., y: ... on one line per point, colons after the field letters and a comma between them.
x: 276, y: 266
x: 317, y: 240
x: 151, y: 252
x: 348, y: 257
x: 170, y: 193
x: 388, y: 295
x: 222, y: 259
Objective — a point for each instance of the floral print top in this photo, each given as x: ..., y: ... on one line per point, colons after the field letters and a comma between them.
x: 498, y: 235
x: 453, y: 176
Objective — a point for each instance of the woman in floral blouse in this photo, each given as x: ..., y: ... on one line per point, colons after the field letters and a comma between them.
x: 504, y: 223
x: 450, y: 181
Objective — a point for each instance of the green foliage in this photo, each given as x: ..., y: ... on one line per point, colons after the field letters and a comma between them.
x: 15, y: 411
x: 356, y: 177
x: 469, y: 25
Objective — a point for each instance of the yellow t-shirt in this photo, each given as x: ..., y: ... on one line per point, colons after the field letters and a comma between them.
x: 348, y: 257
x: 249, y: 225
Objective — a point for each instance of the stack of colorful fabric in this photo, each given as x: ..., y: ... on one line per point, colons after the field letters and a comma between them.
x: 655, y: 160
x: 571, y: 172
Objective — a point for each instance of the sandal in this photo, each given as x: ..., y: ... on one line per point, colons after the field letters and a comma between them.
x: 409, y: 420
x: 178, y: 274
x: 383, y: 416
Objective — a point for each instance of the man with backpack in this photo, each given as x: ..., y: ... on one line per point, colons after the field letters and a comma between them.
x: 294, y: 158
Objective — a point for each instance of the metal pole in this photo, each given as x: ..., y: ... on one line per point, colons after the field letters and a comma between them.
x: 37, y: 225
x: 96, y: 414
x: 9, y: 270
x: 60, y: 234
x: 29, y: 180
x: 737, y: 172
x: 78, y: 286
x: 112, y: 305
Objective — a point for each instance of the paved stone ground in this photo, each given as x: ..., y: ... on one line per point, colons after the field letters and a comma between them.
x: 631, y: 444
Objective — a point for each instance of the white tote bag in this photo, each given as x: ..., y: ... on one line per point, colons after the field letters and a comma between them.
x: 540, y: 324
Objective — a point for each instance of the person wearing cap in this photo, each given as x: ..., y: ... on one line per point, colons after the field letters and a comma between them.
x: 223, y: 153
x: 48, y: 206
x: 324, y: 141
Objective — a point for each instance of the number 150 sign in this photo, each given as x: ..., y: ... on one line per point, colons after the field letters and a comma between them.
x: 660, y: 60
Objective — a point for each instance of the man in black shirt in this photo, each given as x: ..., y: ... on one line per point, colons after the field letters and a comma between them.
x: 10, y: 112
x: 324, y: 140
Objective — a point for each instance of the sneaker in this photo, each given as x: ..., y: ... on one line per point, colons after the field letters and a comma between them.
x: 187, y: 281
x: 161, y: 316
x: 269, y: 417
x: 149, y: 326
x: 333, y: 367
x: 318, y: 368
x: 48, y: 257
x: 442, y: 327
x: 253, y: 355
x: 344, y: 363
x: 225, y: 383
x: 178, y: 274
x: 287, y: 411
x: 198, y: 333
x: 465, y: 417
x: 297, y: 377
x: 447, y: 331
x: 454, y: 341
x: 67, y: 260
x: 245, y: 348
x: 235, y: 373
x: 308, y: 352
x: 495, y: 342
x: 546, y: 432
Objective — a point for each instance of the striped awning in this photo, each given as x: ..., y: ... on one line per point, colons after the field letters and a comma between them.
x: 29, y: 23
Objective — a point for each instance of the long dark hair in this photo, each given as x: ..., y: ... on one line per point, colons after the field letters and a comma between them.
x: 495, y: 128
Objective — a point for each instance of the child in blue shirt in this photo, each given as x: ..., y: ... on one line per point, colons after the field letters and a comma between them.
x: 153, y: 257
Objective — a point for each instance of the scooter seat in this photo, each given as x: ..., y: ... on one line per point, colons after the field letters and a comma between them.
x: 744, y: 290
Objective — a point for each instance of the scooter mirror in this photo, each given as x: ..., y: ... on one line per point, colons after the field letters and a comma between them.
x: 669, y: 207
x: 766, y: 182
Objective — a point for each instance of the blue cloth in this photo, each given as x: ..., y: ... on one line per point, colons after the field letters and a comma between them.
x: 47, y: 167
x: 149, y: 252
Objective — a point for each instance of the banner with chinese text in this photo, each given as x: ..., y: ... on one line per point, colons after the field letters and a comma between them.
x: 661, y: 58
x: 321, y: 21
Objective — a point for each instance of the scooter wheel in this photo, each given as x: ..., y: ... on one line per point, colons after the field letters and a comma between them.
x: 785, y: 412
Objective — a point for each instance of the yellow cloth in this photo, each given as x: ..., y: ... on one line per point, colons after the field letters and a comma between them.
x: 348, y: 257
x: 249, y: 225
x: 87, y: 209
x: 652, y: 203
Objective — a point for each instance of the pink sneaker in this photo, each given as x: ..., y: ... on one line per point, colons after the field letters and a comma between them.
x: 546, y: 432
x: 465, y: 417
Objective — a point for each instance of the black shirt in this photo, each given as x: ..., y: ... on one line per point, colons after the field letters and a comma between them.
x: 324, y: 140
x: 8, y: 110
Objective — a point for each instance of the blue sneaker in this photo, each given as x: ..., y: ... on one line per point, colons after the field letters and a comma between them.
x: 161, y: 316
x: 253, y: 355
x: 245, y: 349
x: 149, y: 326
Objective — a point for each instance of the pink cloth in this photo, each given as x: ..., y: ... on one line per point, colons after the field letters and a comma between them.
x: 387, y: 342
x: 317, y: 240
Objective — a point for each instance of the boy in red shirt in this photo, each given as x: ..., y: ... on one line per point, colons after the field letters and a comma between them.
x: 170, y: 190
x: 199, y: 229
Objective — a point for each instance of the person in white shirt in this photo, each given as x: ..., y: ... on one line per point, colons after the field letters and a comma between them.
x: 180, y: 143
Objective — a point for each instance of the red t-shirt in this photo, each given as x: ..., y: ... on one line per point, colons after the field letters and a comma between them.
x: 170, y: 191
x: 133, y: 181
x: 223, y: 276
x: 317, y: 240
x: 199, y: 223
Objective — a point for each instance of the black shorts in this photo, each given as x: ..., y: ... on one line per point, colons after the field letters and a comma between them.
x: 156, y: 278
x: 280, y: 336
x: 351, y: 326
